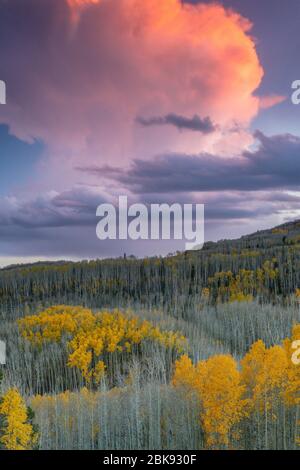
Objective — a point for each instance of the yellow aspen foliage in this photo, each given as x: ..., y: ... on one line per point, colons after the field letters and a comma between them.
x: 99, y: 371
x: 245, y: 284
x: 222, y: 398
x: 205, y: 293
x: 217, y: 382
x: 17, y: 433
x: 90, y: 335
x: 238, y: 296
x: 265, y: 375
x: 279, y: 231
x: 51, y: 324
x: 185, y: 373
x: 297, y: 293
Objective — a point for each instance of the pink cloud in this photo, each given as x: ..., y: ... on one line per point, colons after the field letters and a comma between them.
x: 80, y: 3
x: 83, y: 87
x: 266, y: 102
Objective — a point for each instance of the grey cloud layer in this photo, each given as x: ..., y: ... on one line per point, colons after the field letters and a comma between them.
x: 64, y: 224
x: 275, y: 164
x: 70, y: 208
x: 65, y: 227
x: 195, y: 123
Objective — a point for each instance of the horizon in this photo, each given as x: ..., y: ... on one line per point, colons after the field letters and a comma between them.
x: 128, y: 255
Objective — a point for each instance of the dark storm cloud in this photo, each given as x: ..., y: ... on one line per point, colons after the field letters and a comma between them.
x: 275, y: 164
x: 64, y: 225
x: 196, y: 123
x: 72, y: 208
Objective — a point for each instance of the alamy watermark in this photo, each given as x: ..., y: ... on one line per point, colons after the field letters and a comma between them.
x: 296, y: 354
x: 2, y: 92
x: 2, y: 353
x: 152, y: 222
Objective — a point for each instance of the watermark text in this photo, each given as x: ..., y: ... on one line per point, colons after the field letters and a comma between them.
x: 152, y: 222
x: 2, y: 92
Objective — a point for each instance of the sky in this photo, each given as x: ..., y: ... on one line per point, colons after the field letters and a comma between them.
x: 159, y: 100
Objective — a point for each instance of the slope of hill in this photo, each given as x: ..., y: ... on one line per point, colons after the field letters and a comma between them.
x: 264, y: 265
x: 182, y: 352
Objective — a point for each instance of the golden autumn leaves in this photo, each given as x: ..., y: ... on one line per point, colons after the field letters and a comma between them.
x: 218, y: 385
x: 245, y: 285
x: 230, y: 392
x: 17, y: 432
x: 92, y: 335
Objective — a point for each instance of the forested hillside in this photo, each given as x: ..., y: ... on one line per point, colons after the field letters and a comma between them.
x: 264, y: 265
x: 103, y: 350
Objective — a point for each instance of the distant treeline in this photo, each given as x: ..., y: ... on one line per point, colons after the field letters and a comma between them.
x: 265, y: 266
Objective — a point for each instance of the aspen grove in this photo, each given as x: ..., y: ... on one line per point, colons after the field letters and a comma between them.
x: 197, y: 350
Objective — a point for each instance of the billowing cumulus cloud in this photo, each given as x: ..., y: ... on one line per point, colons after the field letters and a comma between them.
x: 80, y: 72
x: 79, y: 89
